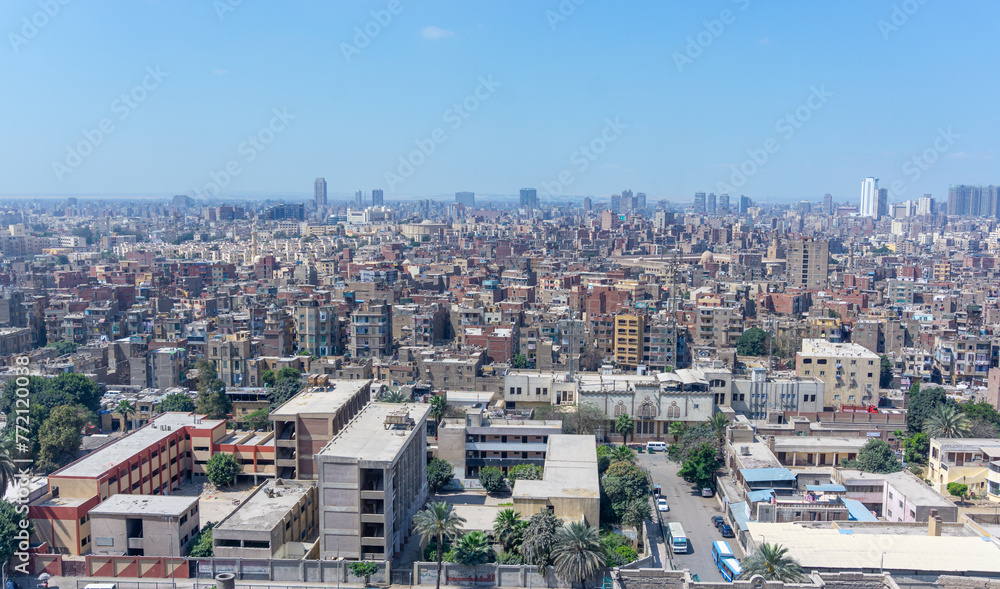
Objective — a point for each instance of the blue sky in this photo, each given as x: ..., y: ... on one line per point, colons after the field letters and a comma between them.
x: 555, y: 75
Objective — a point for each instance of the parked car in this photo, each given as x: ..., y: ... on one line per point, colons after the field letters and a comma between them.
x: 652, y: 447
x: 727, y: 531
x: 717, y: 520
x: 707, y: 492
x: 657, y: 489
x: 661, y: 504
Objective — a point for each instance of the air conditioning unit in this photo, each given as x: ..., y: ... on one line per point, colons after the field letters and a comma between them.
x: 745, y: 450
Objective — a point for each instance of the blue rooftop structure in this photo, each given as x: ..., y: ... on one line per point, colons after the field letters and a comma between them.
x: 756, y: 475
x: 831, y: 488
x: 761, y: 495
x: 857, y: 512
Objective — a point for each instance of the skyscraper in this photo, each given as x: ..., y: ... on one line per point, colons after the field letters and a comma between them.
x: 975, y: 201
x: 529, y: 198
x: 723, y: 203
x: 883, y: 203
x: 869, y: 198
x: 828, y: 204
x: 640, y: 201
x: 744, y: 205
x: 925, y: 205
x: 699, y: 203
x: 359, y: 199
x: 616, y: 203
x: 319, y: 192
x: 710, y: 204
x: 808, y: 262
x: 588, y: 204
x: 378, y: 198
x: 467, y: 199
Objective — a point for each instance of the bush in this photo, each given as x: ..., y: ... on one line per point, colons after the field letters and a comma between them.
x: 222, y: 469
x: 528, y: 472
x: 492, y: 479
x: 627, y: 553
x: 439, y: 474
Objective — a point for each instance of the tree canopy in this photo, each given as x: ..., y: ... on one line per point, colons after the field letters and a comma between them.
x: 60, y: 436
x: 222, y: 469
x: 439, y: 474
x: 492, y: 479
x: 923, y: 401
x: 176, y: 402
x: 876, y: 456
x: 885, y: 372
x: 701, y: 465
x: 752, y: 342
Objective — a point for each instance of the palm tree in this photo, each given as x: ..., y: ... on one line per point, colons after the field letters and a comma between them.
x: 625, y: 427
x: 719, y: 422
x: 8, y: 471
x: 438, y: 521
x: 677, y: 429
x: 772, y: 562
x: 507, y: 527
x: 474, y: 549
x: 125, y: 409
x: 622, y: 454
x: 577, y: 552
x: 439, y: 407
x: 947, y: 421
x: 395, y: 397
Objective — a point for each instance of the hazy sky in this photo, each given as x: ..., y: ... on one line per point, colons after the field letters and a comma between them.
x: 579, y: 97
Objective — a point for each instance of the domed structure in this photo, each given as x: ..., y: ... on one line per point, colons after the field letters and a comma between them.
x: 707, y: 258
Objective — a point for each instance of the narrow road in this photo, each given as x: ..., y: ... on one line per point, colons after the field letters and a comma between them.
x: 695, y: 514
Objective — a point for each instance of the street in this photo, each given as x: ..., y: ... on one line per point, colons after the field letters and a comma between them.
x: 695, y: 514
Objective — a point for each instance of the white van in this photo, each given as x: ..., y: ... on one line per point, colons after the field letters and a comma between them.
x: 656, y: 446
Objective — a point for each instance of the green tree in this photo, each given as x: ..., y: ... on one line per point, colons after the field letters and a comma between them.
x: 60, y: 436
x: 520, y: 362
x: 439, y: 474
x: 538, y: 538
x: 213, y: 401
x: 10, y: 526
x: 981, y: 411
x: 438, y: 522
x: 176, y: 402
x: 916, y: 448
x: 945, y: 421
x: 636, y: 511
x: 958, y: 490
x: 692, y: 438
x: 677, y: 429
x: 719, y: 422
x: 622, y: 483
x: 363, y: 570
x: 701, y: 465
x: 473, y: 549
x: 267, y: 378
x: 625, y: 427
x: 508, y: 528
x: 752, y: 342
x: 577, y: 553
x: 63, y: 347
x: 201, y: 545
x: 125, y: 409
x: 289, y: 372
x: 772, y: 562
x: 395, y: 397
x: 885, y: 372
x: 492, y: 479
x: 282, y: 391
x: 529, y: 472
x: 8, y: 470
x: 439, y: 408
x: 258, y: 420
x: 876, y: 456
x: 923, y: 401
x: 222, y: 469
x: 623, y: 454
x: 62, y: 260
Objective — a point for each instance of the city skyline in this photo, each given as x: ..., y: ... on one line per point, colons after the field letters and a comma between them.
x: 157, y: 113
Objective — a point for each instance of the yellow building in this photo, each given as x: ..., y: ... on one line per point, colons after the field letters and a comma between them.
x: 970, y: 461
x: 628, y: 340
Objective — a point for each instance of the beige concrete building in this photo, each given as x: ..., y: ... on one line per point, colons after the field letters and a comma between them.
x: 144, y: 525
x: 850, y: 373
x: 570, y: 487
x: 628, y: 340
x: 277, y: 521
x: 808, y: 262
x: 304, y: 424
x: 372, y: 481
x: 487, y: 439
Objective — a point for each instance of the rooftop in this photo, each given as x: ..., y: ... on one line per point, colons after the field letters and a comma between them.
x: 570, y: 470
x: 115, y: 452
x: 367, y: 438
x: 821, y: 347
x: 321, y: 400
x: 146, y: 505
x: 266, y: 507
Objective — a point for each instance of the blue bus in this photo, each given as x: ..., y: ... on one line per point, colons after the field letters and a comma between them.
x: 724, y: 558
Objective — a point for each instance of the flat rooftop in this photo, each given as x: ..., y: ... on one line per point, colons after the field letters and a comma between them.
x: 145, y: 505
x: 321, y: 400
x: 115, y: 452
x: 263, y: 511
x: 914, y: 489
x: 821, y: 347
x: 367, y: 438
x: 845, y: 549
x: 817, y: 444
x: 570, y: 470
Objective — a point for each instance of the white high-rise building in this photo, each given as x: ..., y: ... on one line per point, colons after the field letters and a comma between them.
x: 925, y: 205
x: 869, y: 198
